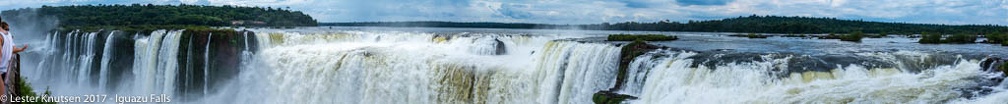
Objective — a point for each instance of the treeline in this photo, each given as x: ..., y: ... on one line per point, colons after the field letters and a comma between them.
x: 749, y: 24
x: 798, y: 25
x: 147, y: 15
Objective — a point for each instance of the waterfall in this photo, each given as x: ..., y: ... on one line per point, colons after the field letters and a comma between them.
x: 189, y: 66
x: 206, y: 63
x: 156, y: 64
x: 85, y: 58
x: 637, y: 72
x: 572, y: 70
x: 156, y: 67
x: 68, y: 56
x: 106, y: 56
x: 674, y: 79
x: 355, y: 66
x: 168, y: 65
x: 401, y: 67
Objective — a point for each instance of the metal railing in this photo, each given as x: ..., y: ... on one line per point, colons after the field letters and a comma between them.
x: 13, y: 76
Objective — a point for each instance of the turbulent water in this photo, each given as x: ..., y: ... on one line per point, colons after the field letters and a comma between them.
x: 402, y: 65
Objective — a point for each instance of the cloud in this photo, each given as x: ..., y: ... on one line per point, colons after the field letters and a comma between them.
x: 598, y: 11
x: 703, y: 2
x: 514, y: 11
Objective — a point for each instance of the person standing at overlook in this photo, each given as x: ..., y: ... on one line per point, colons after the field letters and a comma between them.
x: 7, y: 51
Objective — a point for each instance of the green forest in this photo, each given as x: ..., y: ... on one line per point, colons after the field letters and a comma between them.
x: 170, y: 15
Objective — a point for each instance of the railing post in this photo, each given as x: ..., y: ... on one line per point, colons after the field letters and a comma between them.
x: 14, y: 75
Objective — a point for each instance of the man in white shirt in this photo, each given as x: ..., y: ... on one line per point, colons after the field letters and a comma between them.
x: 7, y: 51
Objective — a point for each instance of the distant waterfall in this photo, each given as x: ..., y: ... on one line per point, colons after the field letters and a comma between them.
x: 673, y: 77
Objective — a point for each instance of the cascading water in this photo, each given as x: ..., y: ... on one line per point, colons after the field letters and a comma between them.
x: 676, y: 77
x: 353, y: 66
x: 151, y: 65
x: 378, y: 67
x: 106, y: 54
x: 85, y: 59
x: 206, y: 63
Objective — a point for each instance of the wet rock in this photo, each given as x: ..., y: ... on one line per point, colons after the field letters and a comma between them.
x: 500, y: 48
x: 993, y: 64
x: 627, y: 55
x: 985, y: 84
x: 609, y: 97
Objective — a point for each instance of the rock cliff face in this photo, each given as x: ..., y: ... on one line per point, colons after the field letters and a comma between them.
x: 215, y: 53
x: 995, y: 64
x: 627, y: 54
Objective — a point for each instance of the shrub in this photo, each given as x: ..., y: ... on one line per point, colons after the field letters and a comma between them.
x: 606, y: 97
x: 855, y: 36
x: 646, y: 37
x: 961, y: 38
x: 996, y: 38
x: 1003, y: 68
x: 930, y: 38
x: 1004, y: 39
x: 25, y: 89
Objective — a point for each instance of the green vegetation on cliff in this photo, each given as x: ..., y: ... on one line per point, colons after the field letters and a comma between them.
x: 25, y: 89
x: 135, y: 28
x: 137, y: 15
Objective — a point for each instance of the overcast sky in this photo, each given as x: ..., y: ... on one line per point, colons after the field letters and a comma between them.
x: 598, y: 11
